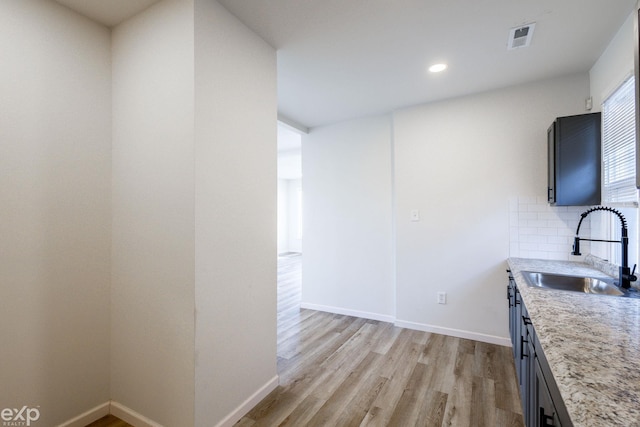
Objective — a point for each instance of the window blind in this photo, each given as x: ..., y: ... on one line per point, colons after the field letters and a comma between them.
x: 619, y: 145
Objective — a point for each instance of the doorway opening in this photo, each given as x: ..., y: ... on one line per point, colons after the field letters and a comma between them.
x: 289, y: 191
x: 289, y: 227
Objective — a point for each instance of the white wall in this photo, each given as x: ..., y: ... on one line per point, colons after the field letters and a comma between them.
x: 235, y: 160
x: 55, y: 166
x: 348, y: 246
x: 614, y: 65
x: 152, y: 298
x: 459, y: 162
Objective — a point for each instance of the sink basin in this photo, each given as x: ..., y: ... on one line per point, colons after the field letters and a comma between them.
x: 588, y: 285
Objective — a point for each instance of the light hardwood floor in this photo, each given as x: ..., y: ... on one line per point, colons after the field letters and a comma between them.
x: 338, y: 370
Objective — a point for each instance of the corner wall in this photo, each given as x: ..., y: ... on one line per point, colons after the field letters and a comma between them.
x: 99, y: 261
x: 55, y: 167
x: 152, y: 294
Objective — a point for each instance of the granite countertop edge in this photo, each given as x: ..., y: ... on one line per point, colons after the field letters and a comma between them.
x: 592, y: 344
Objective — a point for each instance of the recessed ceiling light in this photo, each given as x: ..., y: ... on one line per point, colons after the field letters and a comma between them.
x: 436, y: 68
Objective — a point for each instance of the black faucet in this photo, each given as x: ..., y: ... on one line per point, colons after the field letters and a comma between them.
x: 626, y: 276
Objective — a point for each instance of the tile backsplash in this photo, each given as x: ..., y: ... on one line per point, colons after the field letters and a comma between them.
x: 538, y: 230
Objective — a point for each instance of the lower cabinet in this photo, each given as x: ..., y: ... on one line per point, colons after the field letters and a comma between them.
x: 546, y: 414
x: 542, y: 404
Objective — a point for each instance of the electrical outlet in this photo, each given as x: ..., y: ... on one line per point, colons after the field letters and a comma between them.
x: 442, y: 297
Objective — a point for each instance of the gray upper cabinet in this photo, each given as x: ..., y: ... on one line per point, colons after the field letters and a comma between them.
x: 575, y: 158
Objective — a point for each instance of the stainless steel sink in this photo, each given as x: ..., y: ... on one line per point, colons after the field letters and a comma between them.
x: 587, y: 285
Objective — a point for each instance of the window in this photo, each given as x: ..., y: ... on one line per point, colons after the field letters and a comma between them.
x: 619, y: 171
x: 619, y: 147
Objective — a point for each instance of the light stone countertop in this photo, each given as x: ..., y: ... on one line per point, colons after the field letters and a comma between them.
x: 592, y: 344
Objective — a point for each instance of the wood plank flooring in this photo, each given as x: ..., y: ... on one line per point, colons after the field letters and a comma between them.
x: 338, y: 370
x: 109, y: 421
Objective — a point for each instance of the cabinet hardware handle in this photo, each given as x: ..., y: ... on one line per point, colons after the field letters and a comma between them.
x: 522, y: 341
x: 546, y: 420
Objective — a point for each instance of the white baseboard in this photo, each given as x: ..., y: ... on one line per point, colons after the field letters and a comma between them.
x: 248, y: 404
x: 88, y: 417
x: 491, y: 339
x: 131, y: 416
x: 348, y: 312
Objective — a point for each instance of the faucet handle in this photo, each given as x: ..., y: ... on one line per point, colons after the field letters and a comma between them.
x: 632, y: 276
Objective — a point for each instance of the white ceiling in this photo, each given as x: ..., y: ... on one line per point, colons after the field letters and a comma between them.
x: 340, y: 59
x: 108, y: 12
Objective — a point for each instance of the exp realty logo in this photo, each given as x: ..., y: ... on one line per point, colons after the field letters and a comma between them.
x: 14, y: 417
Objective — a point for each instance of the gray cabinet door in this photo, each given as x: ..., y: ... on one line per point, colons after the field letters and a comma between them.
x: 546, y: 413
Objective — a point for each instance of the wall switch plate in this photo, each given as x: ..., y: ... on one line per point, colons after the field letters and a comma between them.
x: 442, y: 297
x: 415, y: 215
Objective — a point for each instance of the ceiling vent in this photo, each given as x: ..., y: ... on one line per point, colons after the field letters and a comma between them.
x: 520, y: 36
